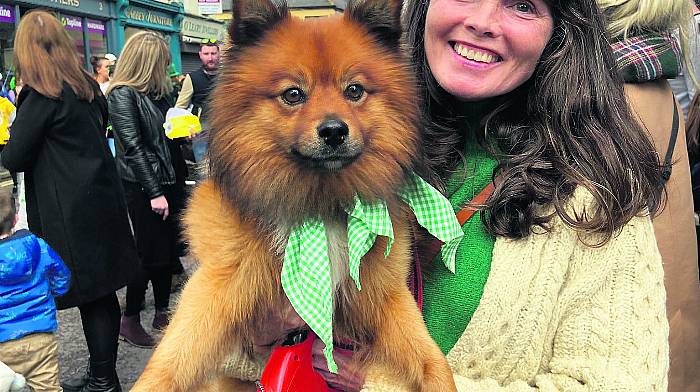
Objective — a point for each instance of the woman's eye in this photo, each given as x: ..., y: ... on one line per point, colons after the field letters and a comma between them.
x: 524, y: 7
x: 293, y: 96
x: 354, y: 92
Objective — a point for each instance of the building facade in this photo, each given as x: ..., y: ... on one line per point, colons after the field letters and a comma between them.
x: 150, y: 15
x: 87, y: 22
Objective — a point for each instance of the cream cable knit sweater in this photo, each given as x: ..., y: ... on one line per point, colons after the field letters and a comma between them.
x: 557, y: 315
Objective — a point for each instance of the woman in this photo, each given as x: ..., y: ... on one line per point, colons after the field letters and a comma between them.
x: 75, y: 200
x: 100, y: 71
x: 558, y: 283
x: 638, y: 30
x: 152, y: 171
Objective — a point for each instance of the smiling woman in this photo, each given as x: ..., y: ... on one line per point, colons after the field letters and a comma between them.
x: 561, y: 271
x: 481, y: 49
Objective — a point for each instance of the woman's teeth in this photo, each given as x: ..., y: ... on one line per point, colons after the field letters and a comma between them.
x: 475, y: 55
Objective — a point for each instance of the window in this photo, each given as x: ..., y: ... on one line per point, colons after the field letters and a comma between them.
x: 74, y: 28
x: 97, y: 37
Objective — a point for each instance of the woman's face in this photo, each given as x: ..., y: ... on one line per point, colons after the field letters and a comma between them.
x: 479, y: 49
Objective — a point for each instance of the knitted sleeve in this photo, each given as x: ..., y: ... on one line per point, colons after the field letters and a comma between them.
x: 242, y: 367
x: 607, y: 330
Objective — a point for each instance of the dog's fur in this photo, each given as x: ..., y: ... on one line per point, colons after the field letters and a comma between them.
x: 270, y: 169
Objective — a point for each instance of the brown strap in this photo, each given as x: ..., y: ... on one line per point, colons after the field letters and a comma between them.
x: 433, y: 248
x: 468, y: 211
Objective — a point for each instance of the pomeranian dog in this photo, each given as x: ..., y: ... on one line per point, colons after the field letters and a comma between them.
x: 306, y: 114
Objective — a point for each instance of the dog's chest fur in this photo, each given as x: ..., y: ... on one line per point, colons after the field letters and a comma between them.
x: 337, y: 237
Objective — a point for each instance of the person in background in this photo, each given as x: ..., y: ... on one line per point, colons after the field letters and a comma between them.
x: 684, y: 86
x: 195, y: 92
x: 176, y: 78
x: 100, y: 71
x: 112, y: 63
x: 647, y: 55
x: 74, y: 199
x: 152, y: 171
x: 31, y: 275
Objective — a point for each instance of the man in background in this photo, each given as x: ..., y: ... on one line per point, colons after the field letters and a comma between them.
x: 195, y: 92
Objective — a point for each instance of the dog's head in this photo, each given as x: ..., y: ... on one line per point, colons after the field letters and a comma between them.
x: 307, y: 113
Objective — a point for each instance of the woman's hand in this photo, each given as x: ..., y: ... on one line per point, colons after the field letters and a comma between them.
x: 159, y: 205
x: 350, y: 378
x: 276, y: 327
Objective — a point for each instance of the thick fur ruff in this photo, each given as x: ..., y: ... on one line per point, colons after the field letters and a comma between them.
x: 266, y: 176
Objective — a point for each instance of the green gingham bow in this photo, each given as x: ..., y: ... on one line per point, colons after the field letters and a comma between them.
x: 306, y: 272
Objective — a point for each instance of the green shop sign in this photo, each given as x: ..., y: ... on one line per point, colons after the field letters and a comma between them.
x: 101, y: 8
x: 142, y: 15
x: 199, y: 28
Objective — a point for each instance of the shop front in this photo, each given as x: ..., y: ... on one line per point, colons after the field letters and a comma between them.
x: 87, y: 22
x: 150, y: 15
x: 196, y: 29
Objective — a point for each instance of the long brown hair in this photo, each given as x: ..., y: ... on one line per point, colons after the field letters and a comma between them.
x: 143, y: 65
x: 568, y: 126
x: 46, y: 58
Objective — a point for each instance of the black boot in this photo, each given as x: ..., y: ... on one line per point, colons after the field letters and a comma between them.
x: 103, y: 378
x: 76, y: 383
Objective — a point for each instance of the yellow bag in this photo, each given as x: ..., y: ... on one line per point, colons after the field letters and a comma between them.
x: 181, y: 123
x: 7, y: 116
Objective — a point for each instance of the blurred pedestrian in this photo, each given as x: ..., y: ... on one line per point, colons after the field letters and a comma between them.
x: 684, y: 86
x: 100, y: 71
x: 647, y: 56
x: 31, y: 274
x: 152, y: 170
x: 196, y: 89
x: 75, y: 200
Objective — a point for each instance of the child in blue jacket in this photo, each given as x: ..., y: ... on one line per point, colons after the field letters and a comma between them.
x: 31, y: 274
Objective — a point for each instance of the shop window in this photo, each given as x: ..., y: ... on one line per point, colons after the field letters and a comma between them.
x: 7, y: 35
x: 97, y: 36
x: 74, y: 28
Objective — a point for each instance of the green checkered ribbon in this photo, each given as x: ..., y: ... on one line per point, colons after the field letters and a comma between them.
x: 306, y: 272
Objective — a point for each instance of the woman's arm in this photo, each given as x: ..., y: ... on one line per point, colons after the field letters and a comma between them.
x: 34, y: 115
x: 611, y: 335
x: 126, y: 125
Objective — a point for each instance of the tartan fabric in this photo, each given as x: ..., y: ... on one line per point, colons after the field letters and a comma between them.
x: 646, y: 57
x: 306, y: 271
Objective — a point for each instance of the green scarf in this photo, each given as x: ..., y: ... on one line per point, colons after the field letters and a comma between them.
x: 306, y: 271
x: 449, y: 300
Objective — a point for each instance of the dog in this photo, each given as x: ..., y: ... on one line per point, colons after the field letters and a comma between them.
x: 306, y: 115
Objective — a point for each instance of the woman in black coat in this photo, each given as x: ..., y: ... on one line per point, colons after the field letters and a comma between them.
x: 152, y: 170
x: 75, y: 200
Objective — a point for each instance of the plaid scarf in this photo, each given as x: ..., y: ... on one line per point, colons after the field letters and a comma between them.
x: 647, y: 56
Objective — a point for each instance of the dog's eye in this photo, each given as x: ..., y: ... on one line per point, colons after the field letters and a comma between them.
x: 354, y: 92
x: 293, y: 96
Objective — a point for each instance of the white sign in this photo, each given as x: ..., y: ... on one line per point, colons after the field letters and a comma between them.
x: 208, y: 7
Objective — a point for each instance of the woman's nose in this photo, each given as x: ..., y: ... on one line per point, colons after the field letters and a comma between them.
x: 484, y: 18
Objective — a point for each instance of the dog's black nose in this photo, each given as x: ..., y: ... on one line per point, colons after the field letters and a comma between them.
x: 333, y: 132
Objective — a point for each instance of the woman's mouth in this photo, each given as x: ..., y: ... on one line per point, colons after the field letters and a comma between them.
x: 475, y: 54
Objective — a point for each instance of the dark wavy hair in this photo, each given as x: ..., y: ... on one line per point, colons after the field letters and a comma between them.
x: 567, y: 126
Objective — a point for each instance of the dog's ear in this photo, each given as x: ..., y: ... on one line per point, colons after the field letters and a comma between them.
x: 381, y: 17
x: 253, y: 18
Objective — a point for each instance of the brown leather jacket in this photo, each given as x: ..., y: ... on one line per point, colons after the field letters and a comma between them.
x: 675, y: 234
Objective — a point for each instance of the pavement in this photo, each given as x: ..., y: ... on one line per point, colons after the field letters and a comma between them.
x: 73, y: 353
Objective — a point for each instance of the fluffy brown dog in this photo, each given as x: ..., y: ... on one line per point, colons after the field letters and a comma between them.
x: 306, y: 114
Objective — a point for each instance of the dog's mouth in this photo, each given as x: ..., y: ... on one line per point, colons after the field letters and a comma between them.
x: 329, y: 161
